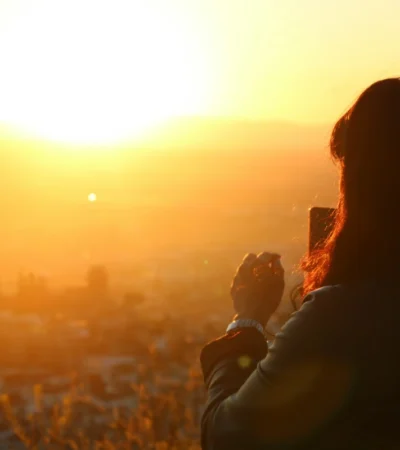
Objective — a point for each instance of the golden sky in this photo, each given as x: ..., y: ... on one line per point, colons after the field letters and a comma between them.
x: 100, y: 71
x: 96, y: 70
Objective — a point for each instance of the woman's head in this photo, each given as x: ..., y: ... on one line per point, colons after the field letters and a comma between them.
x: 365, y: 143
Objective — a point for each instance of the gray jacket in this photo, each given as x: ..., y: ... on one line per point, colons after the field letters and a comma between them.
x: 331, y: 379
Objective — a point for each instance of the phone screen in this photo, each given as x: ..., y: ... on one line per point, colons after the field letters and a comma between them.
x: 321, y: 221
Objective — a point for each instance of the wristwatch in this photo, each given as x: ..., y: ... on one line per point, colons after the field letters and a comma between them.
x: 245, y: 323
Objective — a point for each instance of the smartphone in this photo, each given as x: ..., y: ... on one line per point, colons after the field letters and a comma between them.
x: 321, y: 221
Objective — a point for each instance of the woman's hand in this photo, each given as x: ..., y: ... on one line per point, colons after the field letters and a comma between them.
x: 257, y: 287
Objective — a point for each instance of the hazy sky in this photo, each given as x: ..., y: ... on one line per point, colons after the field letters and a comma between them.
x: 99, y: 70
x: 117, y: 64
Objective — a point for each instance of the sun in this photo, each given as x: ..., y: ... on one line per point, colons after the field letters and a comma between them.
x: 89, y: 72
x: 92, y: 197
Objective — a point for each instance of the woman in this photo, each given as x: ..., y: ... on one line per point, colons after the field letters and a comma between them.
x: 331, y: 379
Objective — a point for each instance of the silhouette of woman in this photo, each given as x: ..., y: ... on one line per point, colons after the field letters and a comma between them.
x: 331, y: 379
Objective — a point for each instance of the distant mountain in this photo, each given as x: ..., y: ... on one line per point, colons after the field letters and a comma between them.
x: 235, y: 134
x: 185, y: 155
x: 202, y: 133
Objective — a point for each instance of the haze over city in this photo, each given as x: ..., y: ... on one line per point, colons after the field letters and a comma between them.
x: 171, y: 113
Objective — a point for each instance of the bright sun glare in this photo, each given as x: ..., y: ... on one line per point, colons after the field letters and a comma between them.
x: 94, y: 72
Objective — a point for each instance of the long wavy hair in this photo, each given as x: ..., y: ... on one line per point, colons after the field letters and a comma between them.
x: 365, y: 241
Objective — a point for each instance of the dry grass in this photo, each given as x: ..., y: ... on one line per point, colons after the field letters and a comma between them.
x: 162, y: 421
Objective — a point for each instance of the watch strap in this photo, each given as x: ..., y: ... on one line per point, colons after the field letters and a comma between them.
x: 245, y: 323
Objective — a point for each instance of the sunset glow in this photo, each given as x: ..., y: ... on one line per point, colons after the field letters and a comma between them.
x: 91, y: 72
x: 97, y: 72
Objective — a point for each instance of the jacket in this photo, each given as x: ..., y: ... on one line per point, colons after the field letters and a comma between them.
x: 330, y: 380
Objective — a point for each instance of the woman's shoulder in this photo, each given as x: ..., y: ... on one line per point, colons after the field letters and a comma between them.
x: 324, y: 297
x: 325, y: 292
x: 326, y: 315
x: 327, y: 306
x: 338, y: 306
x: 347, y: 292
